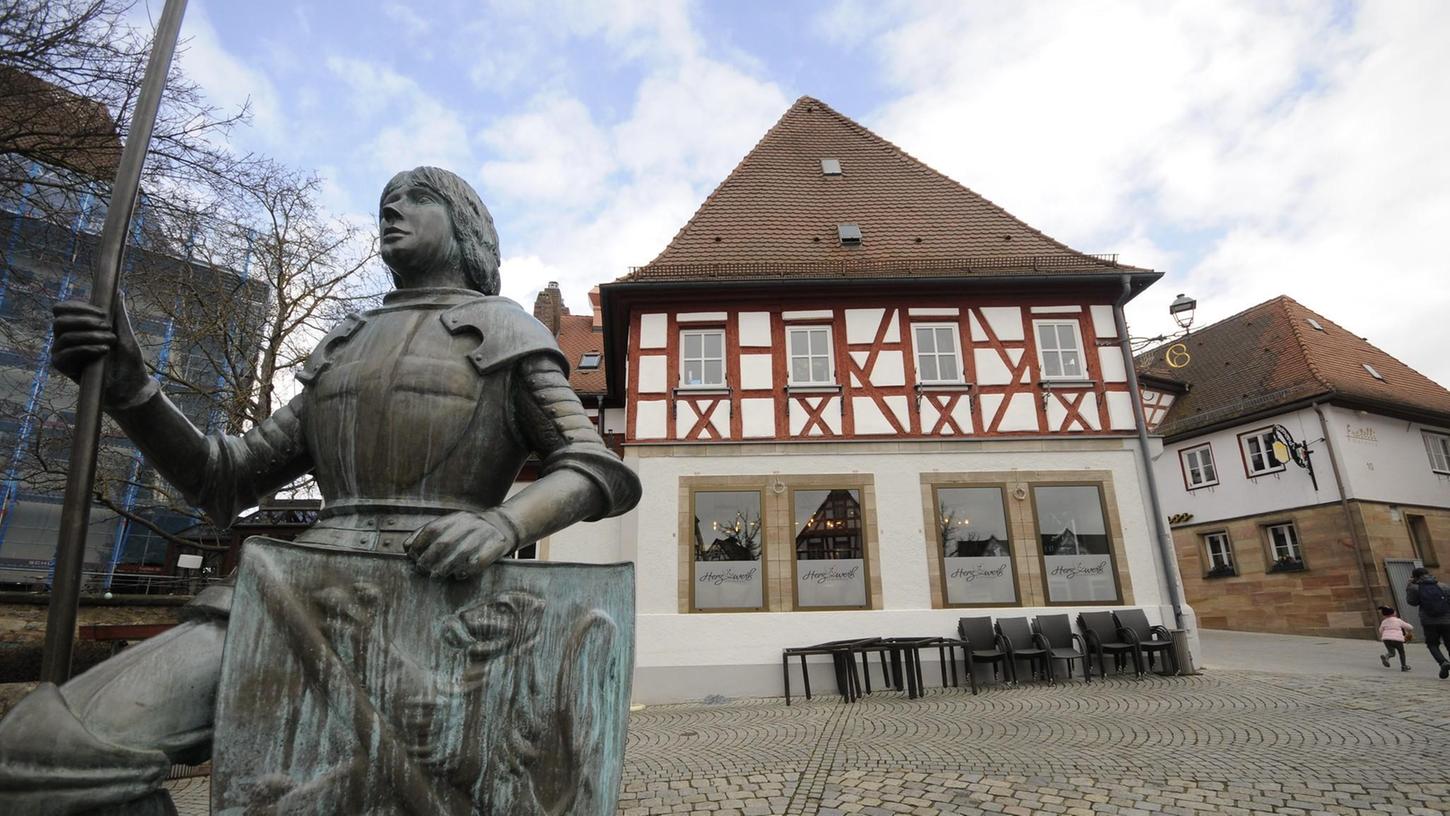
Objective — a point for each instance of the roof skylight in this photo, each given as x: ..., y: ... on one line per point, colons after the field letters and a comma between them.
x: 831, y: 167
x: 850, y: 234
x: 1315, y: 323
x: 1372, y: 372
x: 589, y: 361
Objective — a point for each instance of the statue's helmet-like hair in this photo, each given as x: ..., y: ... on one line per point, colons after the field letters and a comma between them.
x: 472, y: 225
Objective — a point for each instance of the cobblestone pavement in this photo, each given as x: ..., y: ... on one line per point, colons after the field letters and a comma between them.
x: 1227, y: 742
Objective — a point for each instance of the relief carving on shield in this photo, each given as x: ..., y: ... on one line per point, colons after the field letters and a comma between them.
x: 352, y: 684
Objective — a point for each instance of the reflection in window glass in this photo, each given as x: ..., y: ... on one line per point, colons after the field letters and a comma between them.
x: 1076, y: 549
x: 728, y: 541
x: 829, y: 548
x: 976, y: 550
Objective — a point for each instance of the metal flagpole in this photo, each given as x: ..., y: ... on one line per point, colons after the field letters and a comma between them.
x: 76, y: 513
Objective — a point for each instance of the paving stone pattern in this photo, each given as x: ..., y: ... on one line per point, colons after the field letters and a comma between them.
x: 1226, y: 742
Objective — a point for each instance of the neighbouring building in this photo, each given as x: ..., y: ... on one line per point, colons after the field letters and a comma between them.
x: 54, y: 189
x: 1311, y: 542
x: 865, y: 400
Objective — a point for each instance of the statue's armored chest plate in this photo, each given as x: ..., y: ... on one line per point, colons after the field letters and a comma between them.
x: 398, y: 409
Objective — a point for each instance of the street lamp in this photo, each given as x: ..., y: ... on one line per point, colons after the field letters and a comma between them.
x: 1182, y: 310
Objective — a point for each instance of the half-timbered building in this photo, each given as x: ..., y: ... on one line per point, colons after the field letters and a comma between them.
x: 899, y: 402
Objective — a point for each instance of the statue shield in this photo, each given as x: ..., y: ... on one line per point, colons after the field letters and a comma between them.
x: 353, y: 684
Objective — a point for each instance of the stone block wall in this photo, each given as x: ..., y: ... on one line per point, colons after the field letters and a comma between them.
x: 1327, y: 597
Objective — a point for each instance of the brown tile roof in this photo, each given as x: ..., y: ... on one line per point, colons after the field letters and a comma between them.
x: 1271, y: 355
x: 52, y: 125
x: 776, y: 215
x: 577, y: 335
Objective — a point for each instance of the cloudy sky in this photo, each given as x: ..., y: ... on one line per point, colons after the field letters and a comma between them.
x: 1246, y: 149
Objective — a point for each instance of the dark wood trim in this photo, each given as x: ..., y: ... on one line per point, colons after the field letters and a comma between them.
x: 1183, y: 466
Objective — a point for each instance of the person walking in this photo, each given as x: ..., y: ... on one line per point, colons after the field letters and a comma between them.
x: 1434, y: 601
x: 1393, y: 631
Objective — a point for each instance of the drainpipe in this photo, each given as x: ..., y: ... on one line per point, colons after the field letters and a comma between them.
x: 1359, y: 545
x: 1160, y: 524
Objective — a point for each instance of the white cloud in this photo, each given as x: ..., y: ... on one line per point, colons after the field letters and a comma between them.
x: 227, y: 80
x: 412, y: 126
x: 1289, y: 148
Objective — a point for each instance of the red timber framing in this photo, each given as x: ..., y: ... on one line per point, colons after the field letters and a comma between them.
x: 877, y: 392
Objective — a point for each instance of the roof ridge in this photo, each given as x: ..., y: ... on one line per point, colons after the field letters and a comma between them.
x: 871, y: 134
x: 1283, y: 302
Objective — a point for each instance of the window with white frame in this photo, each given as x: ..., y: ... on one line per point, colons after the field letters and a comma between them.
x: 1198, y: 469
x: 937, y: 360
x: 702, y: 357
x: 1220, y: 554
x: 810, y: 355
x: 1259, y: 452
x: 1059, y: 350
x: 1438, y: 448
x: 1284, y: 549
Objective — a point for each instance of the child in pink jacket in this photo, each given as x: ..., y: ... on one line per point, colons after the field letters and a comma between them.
x: 1393, y: 630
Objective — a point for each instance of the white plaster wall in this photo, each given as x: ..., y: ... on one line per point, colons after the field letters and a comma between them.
x: 1103, y: 324
x: 614, y: 420
x: 652, y: 375
x: 1006, y: 321
x: 1120, y: 411
x: 861, y: 324
x: 1384, y: 459
x: 1110, y: 358
x: 991, y: 369
x: 596, y: 542
x: 755, y: 328
x: 757, y: 417
x: 1236, y: 495
x: 649, y: 419
x: 669, y: 640
x: 756, y: 371
x: 652, y: 330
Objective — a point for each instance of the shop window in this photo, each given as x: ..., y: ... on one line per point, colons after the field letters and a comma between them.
x: 1077, y: 551
x: 702, y: 358
x: 830, y: 549
x: 810, y: 356
x: 974, y: 547
x: 1284, y: 552
x: 1220, y: 555
x: 728, y: 544
x: 1258, y: 451
x: 937, y: 360
x: 1198, y: 469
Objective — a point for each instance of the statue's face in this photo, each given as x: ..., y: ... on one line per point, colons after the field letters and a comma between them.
x: 417, y: 230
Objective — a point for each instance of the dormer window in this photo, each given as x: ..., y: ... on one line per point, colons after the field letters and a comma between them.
x: 850, y: 234
x: 589, y: 361
x: 830, y: 167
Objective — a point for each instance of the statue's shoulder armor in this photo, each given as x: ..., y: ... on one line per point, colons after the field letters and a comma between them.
x: 317, y: 361
x: 508, y: 333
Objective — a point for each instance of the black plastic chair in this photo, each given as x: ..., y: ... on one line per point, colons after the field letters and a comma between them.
x: 1151, y: 640
x: 1056, y: 630
x: 1100, y: 630
x: 1020, y: 643
x: 982, y: 644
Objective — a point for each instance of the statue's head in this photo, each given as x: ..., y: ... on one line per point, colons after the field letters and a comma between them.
x: 467, y: 240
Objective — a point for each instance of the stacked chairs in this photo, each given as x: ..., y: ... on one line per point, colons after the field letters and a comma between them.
x: 1104, y: 637
x: 1151, y: 640
x: 1021, y: 643
x: 981, y: 642
x: 1064, y: 644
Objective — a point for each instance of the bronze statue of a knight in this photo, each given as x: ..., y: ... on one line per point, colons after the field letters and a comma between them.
x: 415, y: 418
